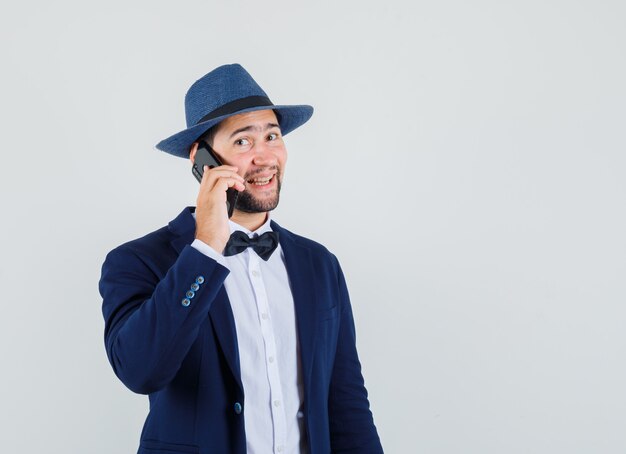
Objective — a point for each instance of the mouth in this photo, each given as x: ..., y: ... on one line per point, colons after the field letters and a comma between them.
x: 262, y: 181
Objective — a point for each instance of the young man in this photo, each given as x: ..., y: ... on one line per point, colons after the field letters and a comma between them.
x: 240, y: 331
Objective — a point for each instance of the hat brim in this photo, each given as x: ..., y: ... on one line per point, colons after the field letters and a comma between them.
x: 290, y: 117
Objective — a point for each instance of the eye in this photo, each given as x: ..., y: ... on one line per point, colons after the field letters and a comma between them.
x: 272, y: 136
x: 242, y: 142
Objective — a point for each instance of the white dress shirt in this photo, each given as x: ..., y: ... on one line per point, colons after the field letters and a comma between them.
x: 263, y: 308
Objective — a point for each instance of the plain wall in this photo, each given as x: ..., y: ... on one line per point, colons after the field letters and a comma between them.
x: 465, y: 162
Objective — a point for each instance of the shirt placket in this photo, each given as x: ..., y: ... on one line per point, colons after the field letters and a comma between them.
x: 271, y: 363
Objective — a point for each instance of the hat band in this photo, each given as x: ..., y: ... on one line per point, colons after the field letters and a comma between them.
x: 235, y: 106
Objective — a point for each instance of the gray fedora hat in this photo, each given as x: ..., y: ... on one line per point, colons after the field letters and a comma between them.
x: 226, y: 91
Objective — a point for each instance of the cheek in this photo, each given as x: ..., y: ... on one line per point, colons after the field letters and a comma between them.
x: 282, y: 157
x: 241, y: 163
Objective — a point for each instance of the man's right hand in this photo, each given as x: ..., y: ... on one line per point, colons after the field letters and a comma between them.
x: 211, y: 214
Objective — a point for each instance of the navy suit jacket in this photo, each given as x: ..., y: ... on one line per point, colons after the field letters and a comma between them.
x: 185, y: 357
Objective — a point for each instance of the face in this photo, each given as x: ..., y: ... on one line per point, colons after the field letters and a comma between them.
x: 254, y: 144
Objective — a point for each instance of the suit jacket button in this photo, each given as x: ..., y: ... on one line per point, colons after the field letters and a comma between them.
x: 185, y: 302
x: 195, y: 287
x: 200, y: 280
x: 190, y: 294
x: 238, y: 408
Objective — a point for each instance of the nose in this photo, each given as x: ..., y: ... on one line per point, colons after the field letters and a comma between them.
x: 264, y: 155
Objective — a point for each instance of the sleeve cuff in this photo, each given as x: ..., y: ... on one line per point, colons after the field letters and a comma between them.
x: 207, y: 250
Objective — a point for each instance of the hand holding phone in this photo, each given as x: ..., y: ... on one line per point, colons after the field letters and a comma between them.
x: 206, y: 156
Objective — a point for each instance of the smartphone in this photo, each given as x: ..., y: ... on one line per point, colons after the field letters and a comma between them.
x: 205, y: 156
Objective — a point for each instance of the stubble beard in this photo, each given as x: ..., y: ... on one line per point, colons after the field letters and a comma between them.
x: 247, y: 203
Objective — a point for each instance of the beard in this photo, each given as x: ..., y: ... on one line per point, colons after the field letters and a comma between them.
x: 248, y: 203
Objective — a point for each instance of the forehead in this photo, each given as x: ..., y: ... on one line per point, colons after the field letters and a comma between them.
x: 258, y: 118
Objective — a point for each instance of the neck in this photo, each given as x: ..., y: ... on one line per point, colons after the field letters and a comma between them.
x: 251, y: 221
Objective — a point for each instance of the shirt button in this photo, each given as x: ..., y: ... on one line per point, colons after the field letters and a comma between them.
x: 238, y: 408
x: 277, y: 403
x: 280, y: 449
x: 255, y: 273
x: 271, y: 359
x: 264, y: 315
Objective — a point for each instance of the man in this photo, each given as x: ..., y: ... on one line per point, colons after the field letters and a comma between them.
x: 243, y: 342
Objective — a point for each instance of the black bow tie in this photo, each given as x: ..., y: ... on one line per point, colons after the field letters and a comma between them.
x: 263, y: 245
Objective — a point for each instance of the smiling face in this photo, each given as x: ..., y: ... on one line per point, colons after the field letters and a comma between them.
x: 253, y: 143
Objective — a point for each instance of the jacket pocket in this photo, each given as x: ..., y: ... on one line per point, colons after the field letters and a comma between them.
x: 159, y: 447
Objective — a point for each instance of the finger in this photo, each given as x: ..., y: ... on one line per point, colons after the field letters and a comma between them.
x: 215, y: 174
x: 225, y: 167
x: 219, y: 171
x: 204, y: 183
x: 209, y: 175
x: 224, y: 183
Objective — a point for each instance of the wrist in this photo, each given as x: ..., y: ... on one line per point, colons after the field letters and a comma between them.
x: 212, y: 242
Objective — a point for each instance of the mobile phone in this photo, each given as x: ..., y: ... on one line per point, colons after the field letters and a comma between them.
x: 205, y: 156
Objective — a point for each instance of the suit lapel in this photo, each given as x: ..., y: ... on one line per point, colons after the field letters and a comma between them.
x: 223, y: 323
x: 301, y: 272
x: 221, y: 314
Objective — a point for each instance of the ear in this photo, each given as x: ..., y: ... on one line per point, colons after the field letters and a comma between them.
x: 192, y: 152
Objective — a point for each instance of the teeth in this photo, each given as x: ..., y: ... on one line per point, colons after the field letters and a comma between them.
x: 260, y: 181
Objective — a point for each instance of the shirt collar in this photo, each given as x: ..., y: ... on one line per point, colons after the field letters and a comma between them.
x: 262, y: 229
x: 234, y: 226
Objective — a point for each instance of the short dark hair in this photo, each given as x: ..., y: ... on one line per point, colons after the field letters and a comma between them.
x: 209, y: 135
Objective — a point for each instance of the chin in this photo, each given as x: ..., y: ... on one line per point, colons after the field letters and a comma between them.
x: 249, y: 204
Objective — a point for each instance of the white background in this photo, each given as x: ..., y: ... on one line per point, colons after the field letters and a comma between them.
x: 465, y: 162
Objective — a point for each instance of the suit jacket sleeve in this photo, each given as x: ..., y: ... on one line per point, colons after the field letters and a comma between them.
x: 352, y: 427
x: 148, y: 331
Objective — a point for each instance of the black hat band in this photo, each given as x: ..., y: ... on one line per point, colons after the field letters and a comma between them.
x: 235, y: 106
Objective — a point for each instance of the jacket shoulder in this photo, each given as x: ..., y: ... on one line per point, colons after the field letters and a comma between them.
x: 301, y: 240
x: 153, y: 243
x: 318, y: 250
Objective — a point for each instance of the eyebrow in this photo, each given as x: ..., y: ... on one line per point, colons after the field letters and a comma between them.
x: 255, y: 128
